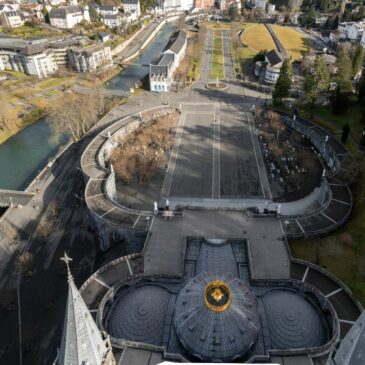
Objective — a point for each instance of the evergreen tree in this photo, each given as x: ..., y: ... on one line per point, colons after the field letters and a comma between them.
x: 308, y: 16
x: 357, y: 59
x: 316, y: 81
x: 282, y: 86
x: 345, y: 133
x: 343, y: 80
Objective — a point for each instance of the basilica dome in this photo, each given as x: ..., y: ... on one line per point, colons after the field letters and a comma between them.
x: 216, y: 317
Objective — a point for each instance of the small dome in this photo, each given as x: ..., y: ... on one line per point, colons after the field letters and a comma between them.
x: 216, y: 317
x: 293, y: 321
x: 139, y: 314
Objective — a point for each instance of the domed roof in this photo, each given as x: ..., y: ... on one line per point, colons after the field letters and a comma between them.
x: 216, y: 317
x: 140, y: 314
x: 293, y: 322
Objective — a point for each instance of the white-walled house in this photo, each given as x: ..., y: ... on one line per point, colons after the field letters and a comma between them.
x: 132, y: 6
x: 68, y: 16
x: 106, y: 9
x: 11, y: 19
x: 355, y: 31
x: 270, y: 68
x: 112, y: 20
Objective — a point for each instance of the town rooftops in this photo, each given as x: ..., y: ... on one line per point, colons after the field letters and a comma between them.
x: 162, y: 65
x: 178, y: 43
x: 106, y: 7
x: 89, y: 50
x: 62, y: 12
x: 20, y: 45
x: 111, y: 16
x: 11, y: 13
x: 130, y: 2
x: 275, y: 57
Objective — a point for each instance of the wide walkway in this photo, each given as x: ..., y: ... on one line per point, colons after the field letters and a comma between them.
x: 165, y: 249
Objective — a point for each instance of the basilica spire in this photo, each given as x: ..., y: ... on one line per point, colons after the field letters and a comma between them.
x: 82, y: 342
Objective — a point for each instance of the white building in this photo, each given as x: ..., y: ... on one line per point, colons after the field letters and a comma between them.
x: 132, y: 6
x: 106, y: 9
x: 355, y: 31
x: 32, y: 59
x: 112, y: 20
x: 8, y: 7
x: 161, y: 73
x: 68, y: 16
x: 260, y: 4
x: 177, y: 5
x: 11, y: 19
x: 91, y: 58
x: 270, y: 68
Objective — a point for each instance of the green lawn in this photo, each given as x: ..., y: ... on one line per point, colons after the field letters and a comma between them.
x: 324, y: 113
x: 28, y: 31
x: 217, y: 66
x: 342, y: 253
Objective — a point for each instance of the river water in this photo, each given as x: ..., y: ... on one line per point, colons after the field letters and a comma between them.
x: 26, y: 153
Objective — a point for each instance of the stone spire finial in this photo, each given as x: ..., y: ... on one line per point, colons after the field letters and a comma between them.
x: 66, y: 259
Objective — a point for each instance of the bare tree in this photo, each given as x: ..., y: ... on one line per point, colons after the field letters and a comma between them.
x: 45, y: 228
x: 8, y: 231
x: 9, y: 120
x: 53, y: 210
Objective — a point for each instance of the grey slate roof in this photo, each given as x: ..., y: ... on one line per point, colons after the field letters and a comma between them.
x: 62, y: 12
x: 275, y: 57
x: 352, y: 347
x: 140, y: 314
x: 82, y: 342
x: 110, y: 16
x: 178, y: 43
x: 216, y: 335
x: 130, y: 2
x: 162, y: 66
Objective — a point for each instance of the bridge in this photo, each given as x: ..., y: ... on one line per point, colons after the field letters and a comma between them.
x: 121, y: 62
x: 11, y: 198
x: 100, y: 91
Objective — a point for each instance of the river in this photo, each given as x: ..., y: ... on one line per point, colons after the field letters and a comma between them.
x: 23, y: 155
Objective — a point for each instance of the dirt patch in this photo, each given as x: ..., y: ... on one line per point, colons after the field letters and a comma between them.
x: 140, y: 160
x: 293, y: 168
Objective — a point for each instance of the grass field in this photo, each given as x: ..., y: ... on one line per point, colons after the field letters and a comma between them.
x: 217, y: 25
x: 257, y: 37
x: 217, y: 66
x: 342, y: 253
x: 293, y: 41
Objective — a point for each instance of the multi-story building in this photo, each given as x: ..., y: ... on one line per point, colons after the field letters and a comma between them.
x: 68, y: 16
x: 270, y: 68
x: 32, y: 59
x: 112, y: 20
x: 132, y: 6
x: 90, y: 58
x: 106, y: 9
x: 161, y: 72
x: 355, y: 31
x: 42, y: 58
x: 11, y: 19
